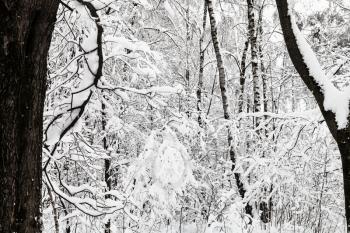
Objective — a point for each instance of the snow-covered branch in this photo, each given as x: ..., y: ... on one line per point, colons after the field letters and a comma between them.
x: 334, y: 103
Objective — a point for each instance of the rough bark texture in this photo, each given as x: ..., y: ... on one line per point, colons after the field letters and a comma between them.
x: 201, y: 68
x: 107, y: 162
x: 220, y: 65
x: 254, y: 57
x: 342, y: 137
x: 260, y: 33
x: 242, y: 76
x: 25, y: 33
x: 222, y: 84
x: 187, y: 70
x: 264, y: 206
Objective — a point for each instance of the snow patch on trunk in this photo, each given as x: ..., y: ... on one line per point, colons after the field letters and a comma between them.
x: 335, y: 100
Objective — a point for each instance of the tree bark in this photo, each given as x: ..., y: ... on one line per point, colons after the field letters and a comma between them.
x: 187, y: 69
x: 264, y: 206
x: 222, y: 84
x: 201, y: 68
x: 25, y: 33
x: 220, y: 65
x: 54, y: 210
x: 261, y: 57
x: 107, y: 162
x: 254, y: 58
x: 341, y: 136
x: 242, y: 76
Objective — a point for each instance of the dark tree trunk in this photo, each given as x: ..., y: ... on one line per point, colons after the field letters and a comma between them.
x: 222, y: 84
x: 25, y: 32
x: 201, y: 68
x: 187, y: 70
x: 261, y: 57
x: 242, y: 76
x: 341, y: 136
x: 254, y: 57
x: 219, y: 62
x: 265, y: 206
x: 107, y: 162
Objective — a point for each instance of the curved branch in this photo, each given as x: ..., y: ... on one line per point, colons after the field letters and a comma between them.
x: 80, y: 108
x: 308, y: 70
x: 333, y: 103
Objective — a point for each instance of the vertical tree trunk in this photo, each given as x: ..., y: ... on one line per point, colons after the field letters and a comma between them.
x: 54, y: 210
x: 107, y: 163
x: 341, y: 136
x: 25, y: 33
x: 261, y: 58
x: 220, y: 65
x: 187, y: 70
x: 222, y: 84
x: 264, y: 207
x: 201, y: 67
x: 254, y: 58
x: 242, y: 76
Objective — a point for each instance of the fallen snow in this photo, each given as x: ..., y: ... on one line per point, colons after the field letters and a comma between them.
x: 162, y: 171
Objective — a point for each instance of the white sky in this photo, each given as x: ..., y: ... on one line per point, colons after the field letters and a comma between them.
x: 307, y: 7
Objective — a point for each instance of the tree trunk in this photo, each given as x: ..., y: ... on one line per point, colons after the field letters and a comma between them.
x: 264, y: 207
x: 261, y: 57
x: 25, y: 32
x: 222, y: 84
x: 187, y: 69
x: 341, y: 136
x: 54, y: 210
x: 201, y: 68
x: 254, y: 57
x: 107, y: 162
x: 242, y: 76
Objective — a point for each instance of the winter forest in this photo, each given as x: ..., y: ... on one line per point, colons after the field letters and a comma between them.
x: 175, y: 116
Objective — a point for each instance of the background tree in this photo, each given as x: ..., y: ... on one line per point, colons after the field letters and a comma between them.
x: 149, y: 103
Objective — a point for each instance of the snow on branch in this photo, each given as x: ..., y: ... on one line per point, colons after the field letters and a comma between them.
x: 67, y: 119
x: 334, y: 103
x: 92, y: 72
x: 335, y: 100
